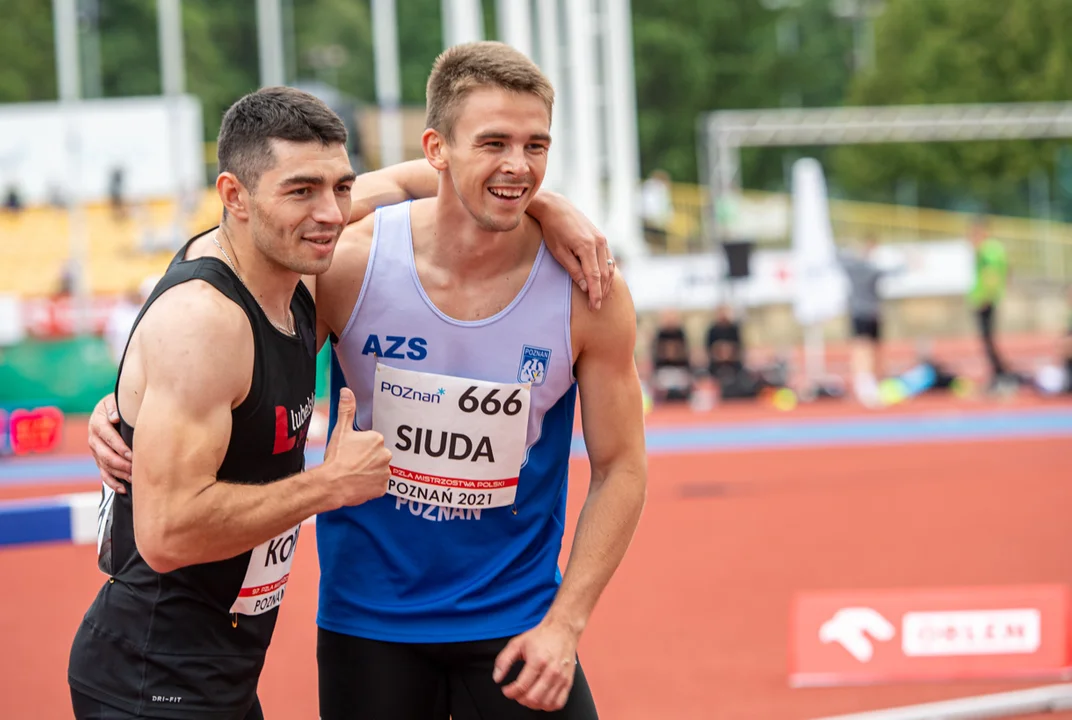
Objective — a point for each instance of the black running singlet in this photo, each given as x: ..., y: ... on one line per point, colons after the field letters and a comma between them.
x: 191, y: 643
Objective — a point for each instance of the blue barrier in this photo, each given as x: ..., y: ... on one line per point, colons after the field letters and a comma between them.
x: 63, y: 518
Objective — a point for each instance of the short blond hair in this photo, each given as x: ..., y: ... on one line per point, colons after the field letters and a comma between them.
x: 462, y: 68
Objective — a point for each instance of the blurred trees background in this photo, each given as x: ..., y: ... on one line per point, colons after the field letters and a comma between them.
x: 694, y: 56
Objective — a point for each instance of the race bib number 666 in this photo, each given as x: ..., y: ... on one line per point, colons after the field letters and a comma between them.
x: 455, y: 442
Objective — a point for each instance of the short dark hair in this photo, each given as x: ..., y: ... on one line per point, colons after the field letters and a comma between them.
x: 282, y: 113
x: 462, y: 68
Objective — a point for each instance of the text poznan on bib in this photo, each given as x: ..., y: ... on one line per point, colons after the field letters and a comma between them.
x: 455, y: 442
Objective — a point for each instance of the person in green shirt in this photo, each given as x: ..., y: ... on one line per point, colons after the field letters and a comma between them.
x: 991, y: 275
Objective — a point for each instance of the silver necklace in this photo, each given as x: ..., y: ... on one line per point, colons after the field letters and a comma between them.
x: 287, y: 330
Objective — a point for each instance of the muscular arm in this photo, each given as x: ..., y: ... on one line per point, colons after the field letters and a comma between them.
x: 391, y: 185
x: 195, y: 352
x: 612, y: 415
x: 613, y: 420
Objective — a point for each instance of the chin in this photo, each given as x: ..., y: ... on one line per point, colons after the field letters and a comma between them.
x: 500, y: 224
x: 310, y: 266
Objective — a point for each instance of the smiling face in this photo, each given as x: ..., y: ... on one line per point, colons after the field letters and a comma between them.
x: 496, y: 157
x: 301, y: 204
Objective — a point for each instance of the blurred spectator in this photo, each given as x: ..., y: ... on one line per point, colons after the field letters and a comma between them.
x: 116, y: 195
x: 1055, y: 378
x: 12, y: 200
x: 725, y: 351
x: 656, y: 207
x: 671, y: 379
x: 991, y: 275
x: 121, y: 319
x: 68, y: 279
x: 865, y: 312
x: 56, y: 199
x: 726, y: 361
x: 1066, y: 346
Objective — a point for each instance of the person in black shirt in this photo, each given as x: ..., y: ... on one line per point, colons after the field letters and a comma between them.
x: 218, y: 384
x: 725, y: 352
x: 672, y: 379
x: 726, y: 361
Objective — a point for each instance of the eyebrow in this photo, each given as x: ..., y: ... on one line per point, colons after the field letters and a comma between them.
x: 315, y: 179
x: 499, y: 135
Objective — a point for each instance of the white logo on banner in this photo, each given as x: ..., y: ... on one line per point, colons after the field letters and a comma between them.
x: 853, y: 629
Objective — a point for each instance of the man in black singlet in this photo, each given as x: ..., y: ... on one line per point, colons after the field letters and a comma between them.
x: 218, y: 384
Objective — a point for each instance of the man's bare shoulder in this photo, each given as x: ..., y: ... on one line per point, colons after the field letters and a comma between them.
x: 613, y: 325
x: 351, y: 253
x: 194, y: 335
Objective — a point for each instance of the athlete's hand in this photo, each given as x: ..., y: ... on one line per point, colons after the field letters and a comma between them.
x: 549, y: 652
x: 359, y: 462
x: 106, y: 444
x: 578, y: 245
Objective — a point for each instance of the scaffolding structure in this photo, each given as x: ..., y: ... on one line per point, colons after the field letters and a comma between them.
x: 724, y: 133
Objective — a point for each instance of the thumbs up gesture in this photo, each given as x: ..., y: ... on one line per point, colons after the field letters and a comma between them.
x: 357, y: 461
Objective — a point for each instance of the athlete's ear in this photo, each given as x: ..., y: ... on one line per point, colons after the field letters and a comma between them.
x: 233, y: 195
x: 435, y: 149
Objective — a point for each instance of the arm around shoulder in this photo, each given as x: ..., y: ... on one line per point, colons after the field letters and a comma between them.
x: 391, y: 185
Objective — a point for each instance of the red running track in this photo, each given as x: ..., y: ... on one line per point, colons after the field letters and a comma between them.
x: 694, y: 625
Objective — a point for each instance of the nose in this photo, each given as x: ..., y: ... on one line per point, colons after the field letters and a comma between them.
x: 328, y: 210
x: 515, y: 162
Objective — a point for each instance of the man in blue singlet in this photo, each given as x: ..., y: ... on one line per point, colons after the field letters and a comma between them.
x: 466, y: 345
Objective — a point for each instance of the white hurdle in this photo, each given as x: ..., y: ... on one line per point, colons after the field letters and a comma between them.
x: 1053, y: 698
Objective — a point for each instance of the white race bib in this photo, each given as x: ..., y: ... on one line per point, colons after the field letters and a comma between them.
x: 104, y: 529
x: 267, y: 574
x: 455, y: 442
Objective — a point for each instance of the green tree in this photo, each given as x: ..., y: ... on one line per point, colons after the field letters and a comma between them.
x: 27, y: 67
x: 342, y: 26
x: 220, y: 43
x: 692, y: 58
x: 961, y: 51
x: 129, y: 49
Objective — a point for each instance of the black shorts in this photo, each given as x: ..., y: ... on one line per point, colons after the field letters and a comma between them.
x: 364, y: 679
x: 86, y: 708
x: 864, y: 327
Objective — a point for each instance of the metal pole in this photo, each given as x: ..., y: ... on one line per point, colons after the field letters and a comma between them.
x: 65, y: 28
x: 89, y: 17
x: 584, y: 151
x: 1053, y: 698
x: 463, y: 22
x: 172, y: 61
x: 388, y: 80
x: 515, y: 24
x: 68, y: 81
x: 270, y: 42
x: 547, y: 18
x: 623, y: 155
x: 173, y: 81
x: 290, y: 50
